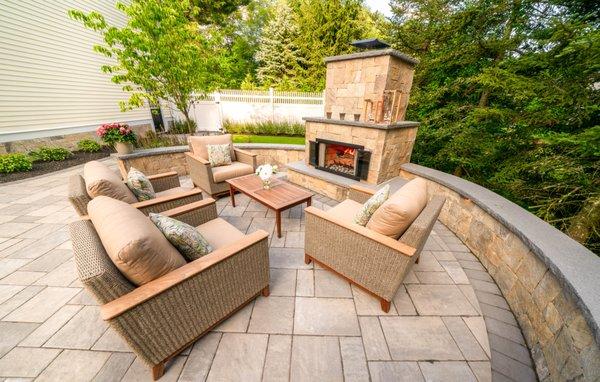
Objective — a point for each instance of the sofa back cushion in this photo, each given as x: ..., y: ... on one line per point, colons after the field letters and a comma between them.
x: 102, y: 181
x: 397, y: 213
x: 198, y: 144
x: 134, y: 244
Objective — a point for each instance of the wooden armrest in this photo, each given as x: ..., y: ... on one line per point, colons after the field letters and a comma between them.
x: 145, y: 292
x: 370, y: 234
x: 163, y: 175
x: 198, y: 159
x: 167, y: 198
x: 363, y: 189
x: 174, y: 212
x: 244, y: 152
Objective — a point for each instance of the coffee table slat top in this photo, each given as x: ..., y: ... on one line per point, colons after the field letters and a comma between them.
x: 280, y: 196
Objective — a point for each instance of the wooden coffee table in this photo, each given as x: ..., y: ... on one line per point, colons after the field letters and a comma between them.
x: 281, y: 196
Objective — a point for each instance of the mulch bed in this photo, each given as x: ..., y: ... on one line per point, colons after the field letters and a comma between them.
x: 41, y: 168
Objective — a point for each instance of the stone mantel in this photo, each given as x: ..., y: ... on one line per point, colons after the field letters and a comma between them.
x: 368, y: 125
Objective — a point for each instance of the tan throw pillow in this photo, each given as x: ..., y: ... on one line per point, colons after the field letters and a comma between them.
x: 397, y: 213
x: 102, y: 181
x: 134, y: 244
x: 218, y: 155
x: 368, y: 209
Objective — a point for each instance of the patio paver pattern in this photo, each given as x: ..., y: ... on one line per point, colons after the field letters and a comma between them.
x: 447, y: 321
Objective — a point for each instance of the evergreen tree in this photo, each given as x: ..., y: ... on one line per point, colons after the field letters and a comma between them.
x: 279, y: 57
x: 507, y: 95
x: 326, y: 28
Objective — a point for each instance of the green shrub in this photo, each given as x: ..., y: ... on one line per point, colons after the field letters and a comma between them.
x: 183, y: 127
x: 49, y: 154
x: 289, y: 129
x: 88, y: 146
x: 14, y: 162
x: 152, y: 140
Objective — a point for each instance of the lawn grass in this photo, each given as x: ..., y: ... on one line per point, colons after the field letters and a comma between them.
x: 239, y: 138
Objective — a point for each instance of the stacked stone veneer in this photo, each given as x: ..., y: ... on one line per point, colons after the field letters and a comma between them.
x: 562, y: 344
x: 160, y: 160
x: 390, y: 145
x: 353, y: 78
x: 68, y: 141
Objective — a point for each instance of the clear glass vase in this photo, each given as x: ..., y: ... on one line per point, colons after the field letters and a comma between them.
x: 266, y: 183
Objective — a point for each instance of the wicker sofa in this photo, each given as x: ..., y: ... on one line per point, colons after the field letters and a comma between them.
x: 212, y: 179
x: 169, y: 193
x: 162, y: 317
x: 374, y: 262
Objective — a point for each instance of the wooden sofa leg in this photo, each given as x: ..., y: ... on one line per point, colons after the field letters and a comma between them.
x: 158, y: 371
x: 417, y: 261
x: 265, y: 291
x: 385, y: 305
x: 307, y: 259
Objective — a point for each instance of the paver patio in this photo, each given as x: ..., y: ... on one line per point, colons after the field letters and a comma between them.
x: 447, y: 322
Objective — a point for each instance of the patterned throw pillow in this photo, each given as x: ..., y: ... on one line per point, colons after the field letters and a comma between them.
x: 368, y: 209
x: 140, y: 185
x: 219, y: 155
x: 183, y: 236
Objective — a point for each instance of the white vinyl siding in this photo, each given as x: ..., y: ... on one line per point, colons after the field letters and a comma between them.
x: 50, y: 78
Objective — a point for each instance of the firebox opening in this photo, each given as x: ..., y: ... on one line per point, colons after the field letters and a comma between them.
x: 340, y: 158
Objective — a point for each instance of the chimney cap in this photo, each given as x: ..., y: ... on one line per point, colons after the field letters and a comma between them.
x: 370, y: 43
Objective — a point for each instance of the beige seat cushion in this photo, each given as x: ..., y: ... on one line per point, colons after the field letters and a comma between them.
x: 173, y: 191
x: 400, y: 210
x: 346, y: 210
x: 219, y: 233
x: 102, y: 181
x: 235, y: 169
x: 134, y: 244
x: 198, y: 144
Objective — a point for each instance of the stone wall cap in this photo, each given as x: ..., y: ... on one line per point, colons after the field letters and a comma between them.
x: 576, y: 267
x: 392, y: 126
x: 374, y: 53
x: 154, y: 151
x: 302, y: 168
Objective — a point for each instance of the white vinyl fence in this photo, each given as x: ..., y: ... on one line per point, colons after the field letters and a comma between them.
x: 252, y: 106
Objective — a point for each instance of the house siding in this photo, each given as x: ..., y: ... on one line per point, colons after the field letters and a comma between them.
x: 50, y: 78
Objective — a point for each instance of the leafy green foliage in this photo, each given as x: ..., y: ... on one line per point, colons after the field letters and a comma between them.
x: 161, y: 53
x: 301, y: 33
x: 183, y: 127
x: 152, y: 140
x: 265, y: 128
x: 50, y: 154
x: 507, y: 96
x: 88, y: 146
x: 14, y: 162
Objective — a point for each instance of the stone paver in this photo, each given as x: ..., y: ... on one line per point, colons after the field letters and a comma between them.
x: 314, y: 326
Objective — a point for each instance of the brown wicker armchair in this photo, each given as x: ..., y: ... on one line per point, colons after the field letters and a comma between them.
x: 160, y: 319
x: 212, y: 179
x: 368, y: 259
x: 170, y: 194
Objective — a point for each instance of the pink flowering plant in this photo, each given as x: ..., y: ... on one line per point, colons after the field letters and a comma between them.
x: 112, y: 133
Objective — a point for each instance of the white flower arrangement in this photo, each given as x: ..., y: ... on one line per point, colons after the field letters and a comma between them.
x: 265, y: 172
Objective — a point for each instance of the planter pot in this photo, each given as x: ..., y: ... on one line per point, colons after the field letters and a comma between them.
x: 124, y: 148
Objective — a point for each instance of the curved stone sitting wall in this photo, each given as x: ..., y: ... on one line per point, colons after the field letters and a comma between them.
x: 165, y: 159
x: 551, y: 282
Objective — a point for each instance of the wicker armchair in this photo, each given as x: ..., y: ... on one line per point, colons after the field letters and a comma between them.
x: 160, y: 319
x: 170, y: 194
x: 212, y: 179
x: 374, y: 262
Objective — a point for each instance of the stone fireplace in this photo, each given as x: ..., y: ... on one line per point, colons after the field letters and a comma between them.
x: 363, y: 136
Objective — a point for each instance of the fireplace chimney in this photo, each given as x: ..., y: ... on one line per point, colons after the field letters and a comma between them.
x: 371, y: 86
